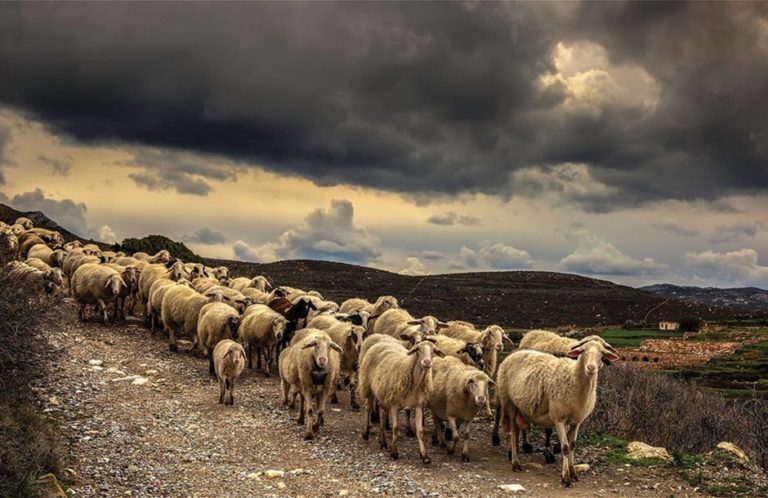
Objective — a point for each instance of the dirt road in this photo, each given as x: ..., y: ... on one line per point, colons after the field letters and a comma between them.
x: 169, y: 437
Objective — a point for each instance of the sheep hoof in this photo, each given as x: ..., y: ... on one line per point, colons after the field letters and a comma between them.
x: 300, y: 421
x: 527, y: 448
x: 375, y: 418
x: 394, y: 454
x: 566, y: 482
x: 516, y: 467
x: 221, y: 399
x: 450, y: 451
x: 309, y: 437
x: 410, y: 432
x: 549, y: 457
x: 173, y: 347
x: 267, y: 375
x: 334, y: 400
x: 495, y: 440
x: 464, y: 457
x: 556, y: 448
x: 574, y: 476
x: 426, y: 460
x: 383, y: 445
x: 366, y: 436
x: 509, y: 455
x: 435, y: 441
x: 354, y: 405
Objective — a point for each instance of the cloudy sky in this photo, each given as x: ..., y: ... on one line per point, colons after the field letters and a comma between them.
x: 622, y: 141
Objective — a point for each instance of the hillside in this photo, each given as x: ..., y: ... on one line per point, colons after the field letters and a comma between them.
x: 522, y: 299
x: 9, y: 215
x: 745, y: 299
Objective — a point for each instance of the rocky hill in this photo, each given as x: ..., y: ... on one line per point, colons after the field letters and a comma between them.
x: 745, y: 299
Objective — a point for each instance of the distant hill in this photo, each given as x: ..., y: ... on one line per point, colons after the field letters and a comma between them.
x: 9, y: 215
x: 746, y: 299
x: 524, y: 299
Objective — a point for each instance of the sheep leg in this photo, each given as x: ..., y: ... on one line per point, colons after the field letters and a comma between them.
x: 103, y: 309
x: 221, y: 390
x: 393, y: 422
x: 495, y: 439
x: 284, y: 388
x: 438, y: 438
x: 322, y: 399
x: 334, y: 397
x: 408, y: 424
x: 258, y: 357
x: 454, y: 435
x: 300, y: 421
x: 562, y: 435
x: 81, y: 313
x: 513, y: 439
x: 527, y: 446
x: 466, y: 433
x: 419, y: 415
x: 309, y: 414
x: 548, y: 456
x: 267, y: 361
x: 210, y: 364
x: 249, y: 353
x: 383, y: 432
x: 367, y: 419
x: 231, y: 385
x: 572, y: 435
x: 352, y: 393
x: 172, y: 339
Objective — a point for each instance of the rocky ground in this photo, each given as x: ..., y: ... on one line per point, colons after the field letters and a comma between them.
x: 143, y: 421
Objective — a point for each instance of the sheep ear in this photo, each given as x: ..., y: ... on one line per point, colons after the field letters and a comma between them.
x: 430, y: 339
x: 406, y: 337
x: 505, y: 337
x: 413, y: 350
x: 109, y: 282
x: 442, y: 325
x: 352, y: 337
x: 491, y: 381
x: 415, y: 322
x: 574, y: 353
x: 610, y: 356
x: 313, y: 344
x: 335, y: 346
x: 438, y: 352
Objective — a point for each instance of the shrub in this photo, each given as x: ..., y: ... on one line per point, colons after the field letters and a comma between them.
x: 30, y: 445
x: 661, y: 410
x: 689, y: 324
x: 154, y: 243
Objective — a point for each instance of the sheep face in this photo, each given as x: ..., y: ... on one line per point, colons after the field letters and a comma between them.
x: 278, y: 327
x: 57, y: 257
x: 477, y: 388
x: 197, y: 271
x: 385, y: 303
x: 590, y: 355
x: 131, y: 276
x: 425, y: 351
x: 355, y: 338
x: 10, y: 241
x: 72, y: 245
x: 322, y: 350
x: 261, y: 283
x: 428, y: 325
x: 233, y: 322
x: 177, y: 269
x: 475, y: 352
x: 114, y: 283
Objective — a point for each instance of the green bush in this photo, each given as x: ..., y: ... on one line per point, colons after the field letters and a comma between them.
x: 154, y: 243
x: 690, y: 324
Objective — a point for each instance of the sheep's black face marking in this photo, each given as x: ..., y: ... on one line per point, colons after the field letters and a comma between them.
x: 318, y: 377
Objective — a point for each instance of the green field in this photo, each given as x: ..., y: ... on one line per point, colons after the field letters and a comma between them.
x: 631, y: 338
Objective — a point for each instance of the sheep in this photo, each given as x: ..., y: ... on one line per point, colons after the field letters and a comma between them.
x: 130, y: 261
x: 108, y: 256
x: 350, y: 338
x: 232, y: 297
x: 220, y: 273
x: 397, y: 378
x: 9, y: 245
x: 469, y: 353
x: 194, y: 270
x: 217, y: 321
x: 458, y: 392
x: 397, y: 321
x: 92, y: 249
x: 161, y: 257
x: 38, y: 263
x: 229, y: 361
x: 74, y: 259
x: 262, y: 328
x: 202, y: 284
x: 72, y: 245
x: 295, y: 313
x: 49, y: 236
x: 172, y: 270
x: 310, y: 368
x: 179, y: 312
x: 155, y: 301
x: 259, y: 283
x: 260, y: 297
x: 24, y: 222
x: 47, y: 279
x: 538, y: 388
x: 53, y: 257
x: 95, y: 284
x: 491, y: 338
x: 27, y: 243
x: 130, y: 275
x: 17, y: 229
x: 381, y: 305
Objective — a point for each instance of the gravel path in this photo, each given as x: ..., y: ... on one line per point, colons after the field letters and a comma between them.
x: 145, y: 422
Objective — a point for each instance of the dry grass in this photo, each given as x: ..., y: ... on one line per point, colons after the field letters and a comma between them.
x: 30, y: 446
x: 682, y: 417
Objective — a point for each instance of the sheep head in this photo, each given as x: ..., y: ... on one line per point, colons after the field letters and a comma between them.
x: 233, y: 322
x: 590, y: 354
x: 426, y: 350
x: 322, y: 349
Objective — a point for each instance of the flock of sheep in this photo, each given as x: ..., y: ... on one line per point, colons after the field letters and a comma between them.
x: 390, y: 360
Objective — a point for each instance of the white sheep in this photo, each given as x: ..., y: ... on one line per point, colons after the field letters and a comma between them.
x: 397, y: 321
x: 259, y: 297
x: 491, y: 338
x: 72, y: 245
x: 220, y: 273
x: 458, y: 392
x: 217, y: 321
x: 229, y: 361
x: 261, y: 328
x: 53, y: 257
x: 202, y: 284
x: 541, y: 389
x: 382, y: 304
x: 310, y: 368
x: 95, y: 284
x: 24, y: 222
x: 179, y: 311
x: 396, y: 378
x: 469, y: 353
x: 9, y: 245
x: 172, y: 270
x: 130, y: 275
x: 234, y: 298
x: 36, y: 275
x: 259, y: 283
x: 155, y: 301
x: 160, y: 257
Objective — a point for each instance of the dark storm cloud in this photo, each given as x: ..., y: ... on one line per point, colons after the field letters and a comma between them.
x: 59, y: 166
x: 677, y: 229
x: 206, y: 235
x: 65, y: 212
x: 413, y: 98
x: 451, y: 218
x: 5, y: 145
